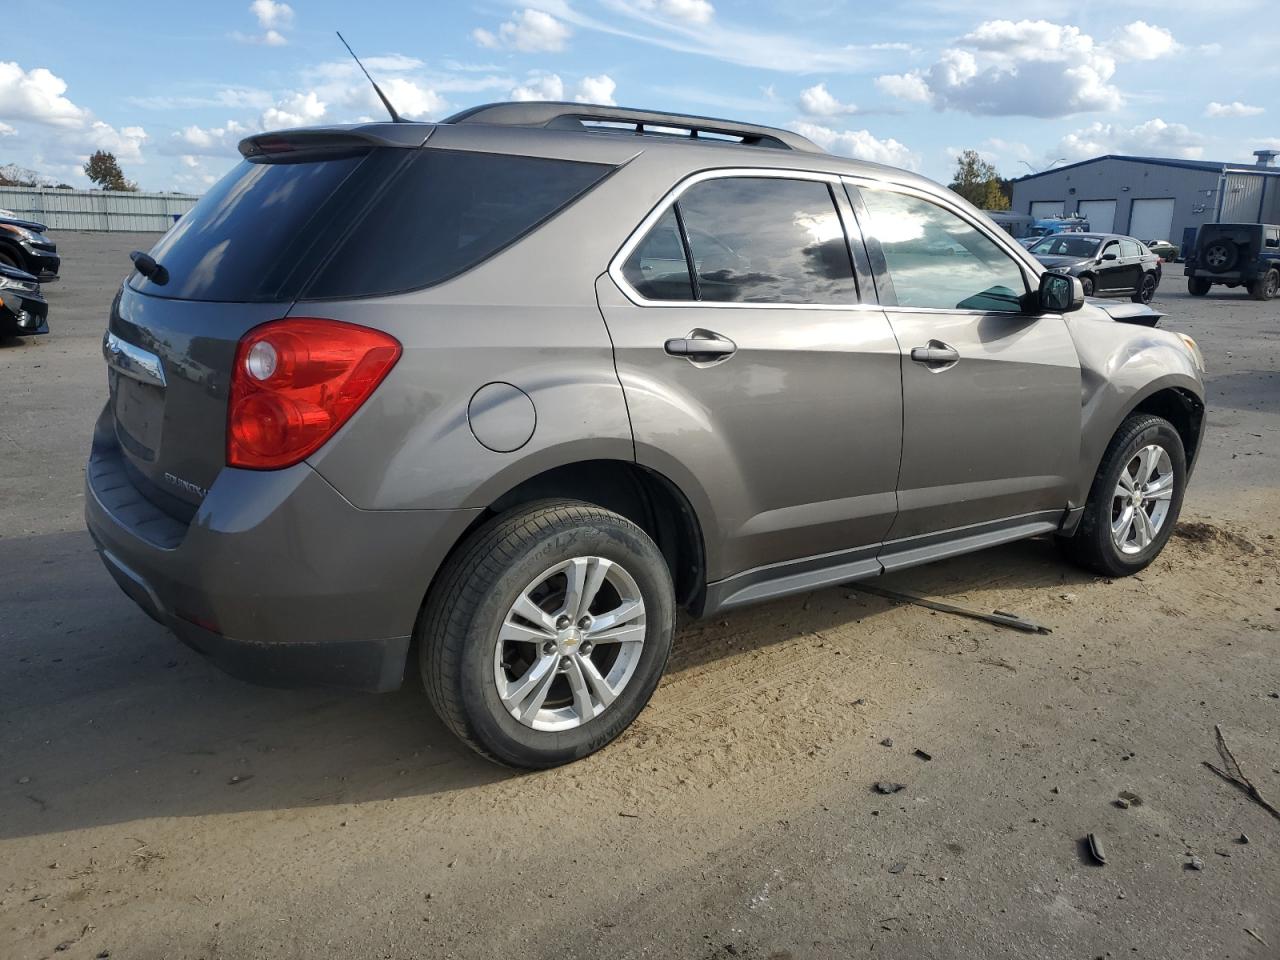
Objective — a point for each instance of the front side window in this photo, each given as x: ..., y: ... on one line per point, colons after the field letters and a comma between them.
x: 1112, y: 248
x: 657, y: 268
x: 1130, y: 248
x: 938, y: 260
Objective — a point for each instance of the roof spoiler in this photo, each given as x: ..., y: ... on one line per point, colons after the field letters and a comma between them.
x: 320, y: 140
x: 582, y: 116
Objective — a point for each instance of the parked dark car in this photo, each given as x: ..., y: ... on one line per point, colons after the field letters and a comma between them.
x: 24, y: 245
x: 1107, y: 265
x: 1235, y: 255
x: 23, y: 312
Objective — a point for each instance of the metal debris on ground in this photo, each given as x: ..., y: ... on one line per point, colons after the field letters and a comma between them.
x: 1130, y: 797
x: 922, y: 755
x: 1000, y: 618
x: 888, y: 786
x: 1235, y: 776
x: 1095, y: 848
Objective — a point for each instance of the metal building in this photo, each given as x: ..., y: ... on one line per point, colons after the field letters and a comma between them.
x: 1152, y: 198
x: 96, y: 209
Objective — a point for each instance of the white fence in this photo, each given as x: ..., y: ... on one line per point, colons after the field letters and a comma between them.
x: 96, y: 209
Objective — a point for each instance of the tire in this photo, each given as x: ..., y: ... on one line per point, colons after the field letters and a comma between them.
x: 1094, y: 546
x: 1198, y: 286
x: 463, y: 659
x: 1146, y: 291
x: 1266, y: 286
x: 1087, y: 283
x: 1220, y: 255
x: 7, y: 260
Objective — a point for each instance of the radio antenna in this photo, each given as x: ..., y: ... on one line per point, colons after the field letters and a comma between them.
x: 395, y: 117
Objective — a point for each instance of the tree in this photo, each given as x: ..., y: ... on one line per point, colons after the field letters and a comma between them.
x: 978, y: 182
x: 103, y: 169
x: 12, y: 175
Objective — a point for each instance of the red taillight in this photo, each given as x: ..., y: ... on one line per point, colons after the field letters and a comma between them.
x: 295, y: 382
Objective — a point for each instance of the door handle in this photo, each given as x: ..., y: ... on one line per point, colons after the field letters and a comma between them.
x: 701, y: 346
x: 936, y: 354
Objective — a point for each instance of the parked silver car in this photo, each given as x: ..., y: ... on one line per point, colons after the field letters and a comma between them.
x: 508, y: 390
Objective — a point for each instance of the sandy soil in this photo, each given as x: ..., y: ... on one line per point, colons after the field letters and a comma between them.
x: 151, y: 807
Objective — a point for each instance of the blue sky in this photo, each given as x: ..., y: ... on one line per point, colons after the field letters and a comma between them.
x: 170, y: 87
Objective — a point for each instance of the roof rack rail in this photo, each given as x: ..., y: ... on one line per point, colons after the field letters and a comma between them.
x: 587, y: 116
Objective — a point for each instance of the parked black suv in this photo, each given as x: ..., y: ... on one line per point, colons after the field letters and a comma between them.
x: 1236, y: 255
x: 24, y: 245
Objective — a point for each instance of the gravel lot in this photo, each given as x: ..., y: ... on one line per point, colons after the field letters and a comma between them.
x: 152, y: 807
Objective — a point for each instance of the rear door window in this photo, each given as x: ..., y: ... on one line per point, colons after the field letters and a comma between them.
x: 767, y: 240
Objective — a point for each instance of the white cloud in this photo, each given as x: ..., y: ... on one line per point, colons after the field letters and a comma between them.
x: 1154, y: 138
x: 7, y: 131
x: 545, y: 86
x: 905, y: 86
x: 817, y: 101
x: 860, y: 144
x: 596, y: 90
x: 210, y: 141
x: 271, y: 14
x: 691, y: 11
x: 1233, y: 109
x: 37, y: 95
x: 296, y: 110
x: 1029, y: 68
x: 1141, y: 41
x: 528, y: 30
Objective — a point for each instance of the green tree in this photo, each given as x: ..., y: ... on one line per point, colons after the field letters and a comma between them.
x: 103, y: 169
x: 978, y: 182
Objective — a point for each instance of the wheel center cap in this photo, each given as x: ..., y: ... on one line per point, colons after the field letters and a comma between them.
x: 569, y: 640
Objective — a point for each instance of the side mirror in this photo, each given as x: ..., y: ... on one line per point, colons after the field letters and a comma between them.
x: 1060, y: 293
x: 1109, y: 256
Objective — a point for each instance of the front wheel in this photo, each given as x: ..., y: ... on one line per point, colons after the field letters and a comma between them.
x: 1135, y: 499
x: 547, y: 632
x: 1146, y: 291
x: 1087, y: 284
x: 1198, y: 286
x: 1266, y: 286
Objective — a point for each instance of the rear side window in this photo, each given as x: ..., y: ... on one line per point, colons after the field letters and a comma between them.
x: 447, y: 212
x: 766, y: 240
x: 366, y: 222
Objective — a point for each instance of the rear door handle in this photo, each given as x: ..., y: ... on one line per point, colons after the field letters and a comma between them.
x: 936, y: 354
x: 706, y: 347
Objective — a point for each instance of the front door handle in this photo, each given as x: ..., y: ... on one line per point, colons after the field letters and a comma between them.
x: 936, y: 354
x: 701, y: 345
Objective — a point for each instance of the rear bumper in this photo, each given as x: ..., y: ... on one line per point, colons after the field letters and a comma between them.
x: 277, y: 578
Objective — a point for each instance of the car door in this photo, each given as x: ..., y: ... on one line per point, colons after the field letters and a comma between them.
x: 1131, y: 258
x: 1109, y: 275
x: 757, y: 377
x: 991, y: 394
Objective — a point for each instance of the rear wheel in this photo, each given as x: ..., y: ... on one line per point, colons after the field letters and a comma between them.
x: 1135, y: 499
x: 1146, y: 291
x: 1198, y: 286
x: 547, y: 633
x: 1266, y: 286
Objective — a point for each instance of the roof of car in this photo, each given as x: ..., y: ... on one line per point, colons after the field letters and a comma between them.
x: 558, y: 129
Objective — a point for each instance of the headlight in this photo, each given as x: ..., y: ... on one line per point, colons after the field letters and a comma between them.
x: 8, y: 283
x: 1194, y: 349
x: 21, y: 232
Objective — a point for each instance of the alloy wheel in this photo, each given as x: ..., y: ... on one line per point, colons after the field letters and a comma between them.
x: 1148, y: 291
x: 569, y: 644
x: 1141, y: 501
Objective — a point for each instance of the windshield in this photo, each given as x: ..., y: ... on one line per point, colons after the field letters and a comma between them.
x: 1064, y: 246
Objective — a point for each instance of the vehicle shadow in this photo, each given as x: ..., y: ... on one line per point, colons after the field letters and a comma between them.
x: 105, y: 718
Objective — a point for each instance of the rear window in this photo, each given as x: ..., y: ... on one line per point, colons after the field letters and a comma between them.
x: 376, y: 222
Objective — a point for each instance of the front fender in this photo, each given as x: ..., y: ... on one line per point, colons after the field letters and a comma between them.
x: 1121, y: 366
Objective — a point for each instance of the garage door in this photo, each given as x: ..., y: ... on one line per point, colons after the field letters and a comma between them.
x: 1040, y: 209
x: 1151, y: 220
x: 1101, y: 214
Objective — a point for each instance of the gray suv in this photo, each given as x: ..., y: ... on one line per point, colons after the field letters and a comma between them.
x: 498, y: 396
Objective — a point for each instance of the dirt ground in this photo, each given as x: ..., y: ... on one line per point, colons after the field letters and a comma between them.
x: 152, y: 807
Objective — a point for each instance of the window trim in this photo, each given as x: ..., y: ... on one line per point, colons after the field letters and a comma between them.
x: 1031, y: 268
x: 862, y: 277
